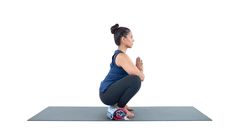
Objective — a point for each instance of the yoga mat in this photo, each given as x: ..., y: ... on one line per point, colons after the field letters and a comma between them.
x: 161, y: 113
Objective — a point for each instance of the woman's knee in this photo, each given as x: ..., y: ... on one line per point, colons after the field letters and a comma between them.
x: 135, y: 80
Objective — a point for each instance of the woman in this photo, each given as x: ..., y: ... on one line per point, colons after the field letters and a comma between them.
x: 124, y: 78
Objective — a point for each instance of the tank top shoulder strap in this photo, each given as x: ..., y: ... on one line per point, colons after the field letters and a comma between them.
x: 115, y: 54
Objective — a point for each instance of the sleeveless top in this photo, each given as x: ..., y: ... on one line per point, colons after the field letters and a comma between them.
x: 115, y: 73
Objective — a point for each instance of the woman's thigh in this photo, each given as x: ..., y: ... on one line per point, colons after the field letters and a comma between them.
x: 117, y: 89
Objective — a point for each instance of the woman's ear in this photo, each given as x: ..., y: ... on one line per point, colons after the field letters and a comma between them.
x: 122, y: 39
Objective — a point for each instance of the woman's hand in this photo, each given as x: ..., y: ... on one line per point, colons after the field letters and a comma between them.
x: 139, y: 64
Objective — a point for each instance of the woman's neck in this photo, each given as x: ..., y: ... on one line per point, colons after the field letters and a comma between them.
x: 122, y: 48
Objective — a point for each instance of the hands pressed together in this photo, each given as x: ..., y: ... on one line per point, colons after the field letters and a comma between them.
x: 139, y: 64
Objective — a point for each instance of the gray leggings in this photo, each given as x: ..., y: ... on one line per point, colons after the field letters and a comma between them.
x: 121, y: 91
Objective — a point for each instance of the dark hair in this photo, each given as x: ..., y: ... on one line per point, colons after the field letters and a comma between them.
x: 119, y: 32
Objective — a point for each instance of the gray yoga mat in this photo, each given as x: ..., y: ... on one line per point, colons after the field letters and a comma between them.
x: 172, y: 113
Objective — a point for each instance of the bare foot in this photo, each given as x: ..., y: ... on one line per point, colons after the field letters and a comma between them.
x: 128, y: 108
x: 129, y: 114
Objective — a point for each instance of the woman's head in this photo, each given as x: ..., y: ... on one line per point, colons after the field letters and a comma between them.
x: 122, y: 35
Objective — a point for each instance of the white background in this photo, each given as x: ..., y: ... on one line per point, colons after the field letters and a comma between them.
x: 55, y: 53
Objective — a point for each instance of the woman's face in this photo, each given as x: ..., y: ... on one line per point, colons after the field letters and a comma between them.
x: 128, y: 40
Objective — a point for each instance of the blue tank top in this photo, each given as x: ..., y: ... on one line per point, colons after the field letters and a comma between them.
x: 115, y: 73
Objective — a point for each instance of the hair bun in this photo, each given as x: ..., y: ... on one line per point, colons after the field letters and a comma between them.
x: 114, y: 28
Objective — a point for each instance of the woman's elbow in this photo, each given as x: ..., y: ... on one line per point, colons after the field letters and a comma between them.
x: 138, y: 73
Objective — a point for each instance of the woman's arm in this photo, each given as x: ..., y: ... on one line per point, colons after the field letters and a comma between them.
x: 125, y: 62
